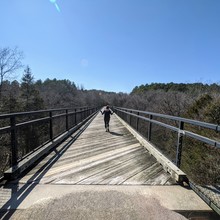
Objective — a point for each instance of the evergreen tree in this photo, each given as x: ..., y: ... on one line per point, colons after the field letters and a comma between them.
x: 31, y: 101
x: 29, y: 93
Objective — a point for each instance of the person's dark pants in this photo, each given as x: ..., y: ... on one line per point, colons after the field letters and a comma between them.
x: 106, y: 120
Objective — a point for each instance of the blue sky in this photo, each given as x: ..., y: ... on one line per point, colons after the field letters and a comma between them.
x: 115, y: 45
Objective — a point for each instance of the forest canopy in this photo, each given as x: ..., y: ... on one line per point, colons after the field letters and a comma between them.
x: 191, y: 100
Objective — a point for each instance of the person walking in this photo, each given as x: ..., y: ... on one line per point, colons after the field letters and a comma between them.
x: 107, y: 112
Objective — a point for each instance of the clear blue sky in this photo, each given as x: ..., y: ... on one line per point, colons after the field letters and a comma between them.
x: 115, y: 45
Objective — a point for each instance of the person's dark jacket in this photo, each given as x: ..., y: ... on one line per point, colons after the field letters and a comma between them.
x: 107, y: 113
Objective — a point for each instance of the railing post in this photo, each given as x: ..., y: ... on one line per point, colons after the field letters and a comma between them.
x: 179, y: 145
x: 75, y: 117
x: 137, y: 121
x: 51, y: 126
x: 81, y: 114
x: 130, y: 118
x: 67, y: 121
x: 14, y: 146
x: 149, y: 128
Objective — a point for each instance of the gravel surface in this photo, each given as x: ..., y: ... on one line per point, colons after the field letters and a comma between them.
x: 96, y: 206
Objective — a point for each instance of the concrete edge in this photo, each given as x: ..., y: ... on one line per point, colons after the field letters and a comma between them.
x: 205, y: 198
x: 167, y: 165
x: 24, y: 164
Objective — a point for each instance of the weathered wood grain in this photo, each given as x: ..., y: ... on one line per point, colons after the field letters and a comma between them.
x: 100, y: 157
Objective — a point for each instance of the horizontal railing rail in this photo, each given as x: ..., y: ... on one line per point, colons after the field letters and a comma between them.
x: 14, y: 122
x: 180, y: 129
x: 175, y: 118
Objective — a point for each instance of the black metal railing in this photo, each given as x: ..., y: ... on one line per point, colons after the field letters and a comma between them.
x: 184, y: 128
x: 24, y: 132
x: 194, y: 146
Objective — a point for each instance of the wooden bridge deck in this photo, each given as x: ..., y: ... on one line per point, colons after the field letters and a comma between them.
x: 99, y: 157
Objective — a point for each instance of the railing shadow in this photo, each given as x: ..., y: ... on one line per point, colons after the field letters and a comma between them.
x: 19, y: 194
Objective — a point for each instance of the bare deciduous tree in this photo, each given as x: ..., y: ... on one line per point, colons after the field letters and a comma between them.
x: 10, y: 61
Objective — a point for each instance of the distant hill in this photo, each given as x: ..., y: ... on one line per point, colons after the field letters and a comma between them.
x: 178, y: 87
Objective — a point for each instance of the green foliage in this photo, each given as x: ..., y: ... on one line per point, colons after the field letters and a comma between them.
x: 201, y: 162
x: 11, y: 104
x: 189, y: 88
x: 199, y: 106
x: 30, y: 95
x: 213, y: 112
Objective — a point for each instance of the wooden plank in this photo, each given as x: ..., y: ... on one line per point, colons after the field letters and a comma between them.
x: 143, y: 176
x: 116, y: 175
x: 72, y: 156
x: 99, y: 157
x: 76, y: 165
x: 168, y: 166
x: 104, y: 166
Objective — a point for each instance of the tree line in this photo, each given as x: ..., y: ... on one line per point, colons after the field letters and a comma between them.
x: 193, y: 100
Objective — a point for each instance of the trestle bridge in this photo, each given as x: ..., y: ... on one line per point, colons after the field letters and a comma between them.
x: 148, y: 164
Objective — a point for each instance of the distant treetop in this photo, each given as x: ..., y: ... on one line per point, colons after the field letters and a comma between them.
x: 178, y: 87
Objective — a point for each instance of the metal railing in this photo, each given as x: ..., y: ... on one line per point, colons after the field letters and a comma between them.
x: 32, y: 130
x: 204, y: 176
x: 180, y: 129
